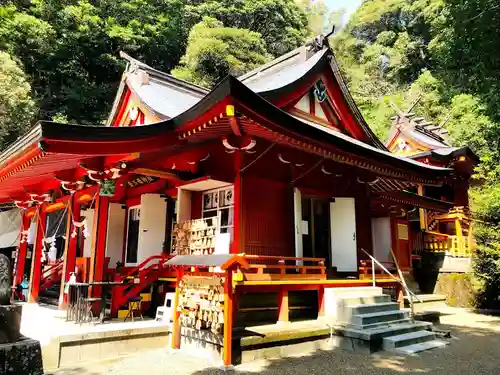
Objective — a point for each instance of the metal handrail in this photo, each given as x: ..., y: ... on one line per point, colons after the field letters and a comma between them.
x: 409, y: 293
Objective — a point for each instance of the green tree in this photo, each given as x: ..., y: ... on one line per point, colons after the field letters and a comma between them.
x: 16, y: 105
x: 281, y: 23
x: 69, y: 49
x: 468, y: 51
x: 320, y: 18
x: 214, y: 51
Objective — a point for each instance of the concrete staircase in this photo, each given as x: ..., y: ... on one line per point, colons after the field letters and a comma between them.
x: 373, y: 322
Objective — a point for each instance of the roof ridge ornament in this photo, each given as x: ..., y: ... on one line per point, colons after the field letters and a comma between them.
x: 321, y: 41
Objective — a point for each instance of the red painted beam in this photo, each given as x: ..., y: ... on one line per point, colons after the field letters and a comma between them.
x: 176, y: 325
x: 233, y: 122
x: 343, y: 111
x: 295, y: 96
x: 23, y: 249
x: 123, y: 106
x: 104, y: 148
x: 115, y: 159
x: 98, y: 252
x: 321, y: 301
x: 228, y: 318
x: 36, y: 256
x: 283, y: 310
x: 70, y: 248
x: 237, y: 244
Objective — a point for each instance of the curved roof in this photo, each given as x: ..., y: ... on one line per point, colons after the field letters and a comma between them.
x: 55, y: 143
x: 447, y: 153
x: 167, y: 96
x: 283, y: 73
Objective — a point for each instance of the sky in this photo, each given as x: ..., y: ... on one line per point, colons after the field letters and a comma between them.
x: 349, y: 5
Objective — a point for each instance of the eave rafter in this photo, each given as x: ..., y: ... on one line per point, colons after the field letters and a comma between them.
x: 327, y: 152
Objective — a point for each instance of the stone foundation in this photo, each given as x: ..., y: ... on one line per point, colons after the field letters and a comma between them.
x: 22, y: 357
x: 10, y: 323
x: 18, y: 354
x: 457, y: 287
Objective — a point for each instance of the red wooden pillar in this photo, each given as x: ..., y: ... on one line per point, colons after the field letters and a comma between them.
x: 23, y: 248
x: 98, y: 251
x: 321, y: 301
x: 237, y: 244
x: 36, y: 256
x: 228, y: 318
x: 69, y: 262
x: 283, y: 311
x: 176, y: 328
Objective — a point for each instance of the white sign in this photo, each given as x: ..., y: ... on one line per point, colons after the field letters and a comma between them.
x: 305, y: 227
x: 222, y: 243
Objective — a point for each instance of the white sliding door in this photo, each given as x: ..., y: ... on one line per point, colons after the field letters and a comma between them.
x: 152, y: 224
x: 343, y: 235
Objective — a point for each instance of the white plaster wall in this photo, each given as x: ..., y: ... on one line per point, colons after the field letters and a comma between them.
x: 10, y: 228
x: 183, y: 205
x: 151, y: 226
x: 87, y: 243
x: 31, y: 233
x: 381, y: 238
x: 114, y: 236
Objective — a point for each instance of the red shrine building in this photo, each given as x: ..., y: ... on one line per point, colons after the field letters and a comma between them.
x: 276, y: 168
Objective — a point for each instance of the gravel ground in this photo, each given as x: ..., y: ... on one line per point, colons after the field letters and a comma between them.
x: 474, y: 349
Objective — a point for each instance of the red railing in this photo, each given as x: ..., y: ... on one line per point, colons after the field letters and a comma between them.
x: 51, y: 275
x: 136, y: 279
x: 266, y: 267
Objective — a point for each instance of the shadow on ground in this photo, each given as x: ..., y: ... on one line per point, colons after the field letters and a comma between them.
x: 471, y: 351
x: 74, y: 371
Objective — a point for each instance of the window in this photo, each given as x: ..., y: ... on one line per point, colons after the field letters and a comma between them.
x: 134, y: 215
x: 219, y: 203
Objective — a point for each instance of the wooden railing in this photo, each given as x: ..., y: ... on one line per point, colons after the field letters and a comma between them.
x: 439, y: 242
x: 366, y: 271
x: 265, y: 267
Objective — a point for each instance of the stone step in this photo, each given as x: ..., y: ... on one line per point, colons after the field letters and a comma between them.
x: 366, y: 300
x: 380, y: 332
x: 364, y: 320
x: 407, y: 339
x: 420, y: 347
x: 426, y: 298
x: 372, y: 308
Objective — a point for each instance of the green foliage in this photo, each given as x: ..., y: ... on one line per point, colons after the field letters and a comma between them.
x: 214, y: 51
x: 281, y: 23
x: 486, y: 265
x: 467, y: 49
x: 395, y: 51
x: 69, y: 49
x: 16, y: 106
